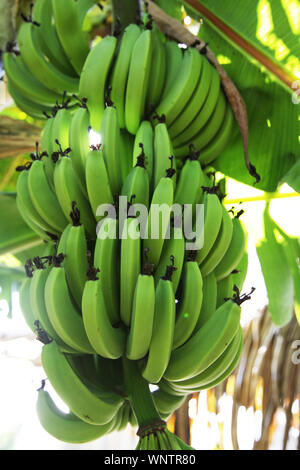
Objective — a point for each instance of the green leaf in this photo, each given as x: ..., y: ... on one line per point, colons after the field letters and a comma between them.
x: 171, y: 7
x: 273, y: 117
x: 15, y: 235
x: 292, y: 250
x: 277, y: 274
x: 292, y: 178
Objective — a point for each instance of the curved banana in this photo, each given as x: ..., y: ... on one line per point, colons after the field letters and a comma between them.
x: 220, y: 246
x: 64, y: 316
x: 92, y: 405
x: 240, y: 272
x: 182, y: 89
x: 158, y: 71
x: 68, y: 191
x: 106, y: 259
x: 48, y: 38
x: 44, y: 198
x: 206, y: 345
x: 224, y: 290
x: 234, y: 252
x: 175, y: 248
x: 189, y: 304
x: 158, y: 222
x: 25, y: 82
x: 209, y: 301
x: 130, y: 267
x: 75, y: 261
x: 79, y: 143
x: 73, y: 40
x: 166, y: 403
x: 217, y: 368
x: 197, y: 100
x: 139, y: 336
x: 216, y: 146
x: 67, y: 427
x: 25, y: 304
x: 30, y: 222
x: 163, y: 331
x: 213, y: 214
x: 137, y: 81
x: 110, y: 139
x: 204, y: 113
x: 92, y: 85
x: 136, y: 184
x: 120, y: 70
x: 126, y: 152
x: 173, y: 64
x: 32, y: 108
x: 163, y: 152
x: 143, y: 141
x: 96, y: 172
x: 42, y: 68
x: 108, y: 341
x: 191, y: 179
x: 208, y: 132
x: 27, y: 207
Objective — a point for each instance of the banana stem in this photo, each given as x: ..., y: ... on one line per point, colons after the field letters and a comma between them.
x: 139, y: 395
x: 124, y: 13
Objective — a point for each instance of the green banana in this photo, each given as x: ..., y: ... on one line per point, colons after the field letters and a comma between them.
x: 67, y: 427
x: 25, y: 304
x: 213, y: 214
x: 197, y: 100
x: 139, y: 337
x: 96, y: 172
x: 143, y: 140
x: 166, y: 403
x: 110, y: 139
x: 173, y: 64
x: 175, y: 248
x: 64, y: 316
x: 75, y: 261
x: 137, y: 81
x: 121, y: 69
x: 208, y: 132
x: 209, y: 301
x: 126, y: 151
x: 93, y: 78
x: 163, y: 330
x: 71, y: 36
x: 43, y: 69
x: 68, y: 191
x: 107, y: 340
x: 32, y: 108
x: 158, y: 222
x: 48, y: 38
x: 216, y: 146
x: 92, y: 405
x: 189, y: 304
x: 182, y: 89
x: 217, y: 368
x: 25, y: 82
x: 163, y: 152
x: 136, y: 184
x: 79, y: 143
x: 106, y: 259
x: 220, y: 246
x: 240, y: 272
x: 234, y: 252
x: 224, y: 289
x: 206, y: 345
x: 158, y: 71
x: 130, y: 268
x: 44, y: 198
x: 27, y: 207
x: 204, y: 113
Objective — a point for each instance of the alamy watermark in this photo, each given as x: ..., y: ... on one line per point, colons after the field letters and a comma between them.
x: 163, y: 221
x: 296, y: 354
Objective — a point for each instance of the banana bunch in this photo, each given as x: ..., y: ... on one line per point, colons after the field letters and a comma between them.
x: 120, y: 299
x: 52, y: 49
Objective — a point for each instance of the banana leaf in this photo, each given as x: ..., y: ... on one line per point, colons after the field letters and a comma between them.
x: 258, y: 44
x: 15, y: 235
x: 276, y: 269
